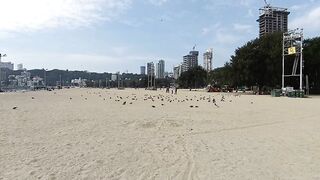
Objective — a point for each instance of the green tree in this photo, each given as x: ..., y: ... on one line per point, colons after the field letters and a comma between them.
x: 193, y: 78
x: 312, y: 63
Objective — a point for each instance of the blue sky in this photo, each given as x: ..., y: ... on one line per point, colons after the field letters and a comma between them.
x: 121, y: 35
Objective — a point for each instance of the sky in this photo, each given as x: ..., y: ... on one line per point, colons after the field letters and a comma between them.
x: 122, y: 35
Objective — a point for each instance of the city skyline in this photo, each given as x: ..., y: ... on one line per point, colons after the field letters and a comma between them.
x: 111, y: 36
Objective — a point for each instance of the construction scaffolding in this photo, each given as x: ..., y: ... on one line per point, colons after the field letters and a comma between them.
x: 293, y: 46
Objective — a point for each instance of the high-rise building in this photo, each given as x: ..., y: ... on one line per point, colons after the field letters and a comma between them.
x: 7, y: 65
x: 20, y: 67
x: 150, y: 69
x: 272, y: 19
x: 190, y: 61
x: 160, y: 69
x: 177, y: 70
x: 142, y: 70
x: 207, y: 60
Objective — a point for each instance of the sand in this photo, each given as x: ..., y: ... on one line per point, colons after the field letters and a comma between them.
x: 83, y: 134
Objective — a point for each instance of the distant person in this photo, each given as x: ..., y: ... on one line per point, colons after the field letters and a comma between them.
x: 176, y: 90
x: 167, y: 90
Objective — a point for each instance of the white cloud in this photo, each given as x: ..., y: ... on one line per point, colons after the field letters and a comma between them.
x: 242, y: 28
x: 215, y: 4
x: 309, y: 21
x: 210, y: 29
x: 224, y: 36
x: 30, y: 15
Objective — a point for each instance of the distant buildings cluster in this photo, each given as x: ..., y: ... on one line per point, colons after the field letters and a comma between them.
x: 191, y: 61
x: 16, y: 81
x: 10, y: 66
x: 78, y: 82
x: 24, y: 80
x: 156, y: 70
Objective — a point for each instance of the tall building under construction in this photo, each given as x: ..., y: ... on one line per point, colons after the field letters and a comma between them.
x: 272, y: 19
x: 207, y: 60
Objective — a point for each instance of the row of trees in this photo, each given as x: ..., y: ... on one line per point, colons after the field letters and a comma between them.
x: 258, y: 63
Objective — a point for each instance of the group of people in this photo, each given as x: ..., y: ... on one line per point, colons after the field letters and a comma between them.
x: 173, y: 89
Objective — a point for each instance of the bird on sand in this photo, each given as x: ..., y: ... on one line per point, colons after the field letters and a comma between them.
x: 15, y: 107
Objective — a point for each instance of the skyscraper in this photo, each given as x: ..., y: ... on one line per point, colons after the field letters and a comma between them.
x: 7, y: 65
x: 207, y: 60
x: 272, y: 19
x: 177, y: 70
x: 190, y: 61
x: 142, y: 70
x: 160, y: 69
x: 150, y: 69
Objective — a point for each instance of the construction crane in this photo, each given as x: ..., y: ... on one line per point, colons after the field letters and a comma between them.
x: 267, y: 4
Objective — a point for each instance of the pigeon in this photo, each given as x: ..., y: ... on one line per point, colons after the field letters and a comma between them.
x: 15, y: 107
x: 154, y: 106
x: 124, y: 103
x: 191, y: 106
x: 32, y: 98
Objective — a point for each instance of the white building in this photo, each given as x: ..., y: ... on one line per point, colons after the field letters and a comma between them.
x: 177, y: 71
x: 114, y: 77
x: 207, y: 60
x: 78, y: 82
x: 7, y: 65
x: 20, y: 67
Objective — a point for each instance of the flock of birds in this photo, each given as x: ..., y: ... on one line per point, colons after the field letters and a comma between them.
x: 164, y: 99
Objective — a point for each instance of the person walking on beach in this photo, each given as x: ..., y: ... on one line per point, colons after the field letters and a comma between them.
x: 167, y: 90
x: 176, y: 91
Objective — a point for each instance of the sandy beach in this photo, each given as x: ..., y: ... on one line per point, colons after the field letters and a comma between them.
x: 139, y: 134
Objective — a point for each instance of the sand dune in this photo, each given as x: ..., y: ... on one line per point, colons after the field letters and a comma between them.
x: 138, y: 134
